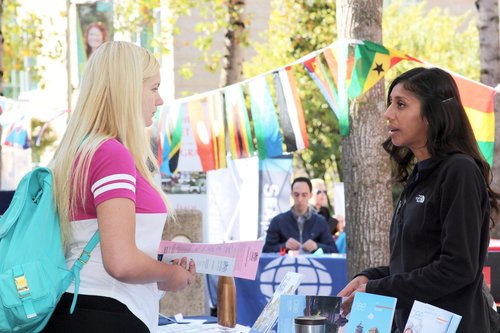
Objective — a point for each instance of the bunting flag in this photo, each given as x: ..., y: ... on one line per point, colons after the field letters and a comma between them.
x: 371, y: 63
x: 169, y: 137
x: 318, y: 73
x: 291, y: 112
x: 341, y: 71
x: 216, y: 116
x: 333, y: 64
x: 267, y: 131
x: 238, y: 125
x: 200, y: 125
x: 478, y: 101
x: 202, y: 116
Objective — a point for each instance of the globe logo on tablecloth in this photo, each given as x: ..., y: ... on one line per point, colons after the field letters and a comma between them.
x: 316, y: 281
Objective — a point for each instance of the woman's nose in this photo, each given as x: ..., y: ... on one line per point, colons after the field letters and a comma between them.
x: 388, y: 112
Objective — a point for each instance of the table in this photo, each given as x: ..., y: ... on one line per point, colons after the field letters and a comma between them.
x: 324, y: 275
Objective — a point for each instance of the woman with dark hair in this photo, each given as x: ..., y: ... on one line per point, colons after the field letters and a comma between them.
x: 439, y: 234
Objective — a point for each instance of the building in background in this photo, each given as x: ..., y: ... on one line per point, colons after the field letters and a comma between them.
x: 184, y: 51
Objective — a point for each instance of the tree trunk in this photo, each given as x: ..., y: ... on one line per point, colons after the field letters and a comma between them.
x: 489, y: 56
x: 366, y: 165
x: 1, y: 82
x: 232, y: 62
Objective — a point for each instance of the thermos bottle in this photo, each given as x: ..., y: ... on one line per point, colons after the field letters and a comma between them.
x: 314, y: 324
x: 226, y: 302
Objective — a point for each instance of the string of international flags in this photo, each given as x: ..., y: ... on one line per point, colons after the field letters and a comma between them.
x: 343, y: 71
x: 220, y: 121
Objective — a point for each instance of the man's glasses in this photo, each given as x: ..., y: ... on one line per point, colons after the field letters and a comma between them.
x: 318, y: 192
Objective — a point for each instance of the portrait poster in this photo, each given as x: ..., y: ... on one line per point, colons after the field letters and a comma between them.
x: 94, y: 26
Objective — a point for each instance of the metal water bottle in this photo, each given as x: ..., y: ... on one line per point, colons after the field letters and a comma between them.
x: 313, y: 324
x: 226, y: 301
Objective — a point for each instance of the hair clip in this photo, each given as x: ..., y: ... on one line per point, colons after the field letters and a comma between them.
x: 447, y: 100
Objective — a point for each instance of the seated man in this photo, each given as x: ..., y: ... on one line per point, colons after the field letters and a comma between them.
x: 300, y: 228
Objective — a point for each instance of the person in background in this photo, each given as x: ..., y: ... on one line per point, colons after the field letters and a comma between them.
x: 330, y: 220
x: 95, y: 34
x: 319, y: 196
x: 300, y: 228
x: 439, y: 234
x: 340, y: 237
x: 103, y: 180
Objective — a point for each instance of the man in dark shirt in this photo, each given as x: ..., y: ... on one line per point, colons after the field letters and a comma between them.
x: 300, y: 228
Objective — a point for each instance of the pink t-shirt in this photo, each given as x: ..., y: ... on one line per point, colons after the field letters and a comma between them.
x: 112, y: 174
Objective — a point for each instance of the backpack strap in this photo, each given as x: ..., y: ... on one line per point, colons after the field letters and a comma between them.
x: 80, y: 262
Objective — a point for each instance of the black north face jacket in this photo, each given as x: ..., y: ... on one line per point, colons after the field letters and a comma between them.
x: 439, y: 240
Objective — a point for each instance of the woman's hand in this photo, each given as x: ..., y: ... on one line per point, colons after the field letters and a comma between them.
x: 180, y: 276
x: 357, y: 284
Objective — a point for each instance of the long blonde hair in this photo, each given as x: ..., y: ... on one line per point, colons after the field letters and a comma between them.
x: 109, y: 106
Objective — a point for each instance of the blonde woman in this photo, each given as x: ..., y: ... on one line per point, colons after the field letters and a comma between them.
x: 102, y: 180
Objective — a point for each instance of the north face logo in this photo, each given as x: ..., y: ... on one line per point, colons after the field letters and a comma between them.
x: 420, y: 198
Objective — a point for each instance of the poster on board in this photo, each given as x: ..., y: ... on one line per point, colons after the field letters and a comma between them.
x: 94, y: 26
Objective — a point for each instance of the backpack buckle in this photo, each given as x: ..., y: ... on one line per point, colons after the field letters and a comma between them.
x: 23, y: 289
x: 84, y: 257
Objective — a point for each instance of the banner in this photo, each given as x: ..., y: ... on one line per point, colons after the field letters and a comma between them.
x: 274, y: 189
x: 233, y: 201
x: 94, y: 26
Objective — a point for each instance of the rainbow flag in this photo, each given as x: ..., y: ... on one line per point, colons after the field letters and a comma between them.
x: 478, y: 101
x: 238, y: 125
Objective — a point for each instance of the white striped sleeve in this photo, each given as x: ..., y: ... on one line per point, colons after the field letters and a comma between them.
x: 121, y: 181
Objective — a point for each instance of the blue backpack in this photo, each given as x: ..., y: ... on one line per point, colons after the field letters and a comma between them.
x: 33, y: 273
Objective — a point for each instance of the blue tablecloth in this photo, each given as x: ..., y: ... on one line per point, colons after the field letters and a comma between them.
x: 324, y: 275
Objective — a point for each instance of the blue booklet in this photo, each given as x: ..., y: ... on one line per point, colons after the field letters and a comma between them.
x: 429, y: 318
x: 371, y: 313
x: 292, y: 306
